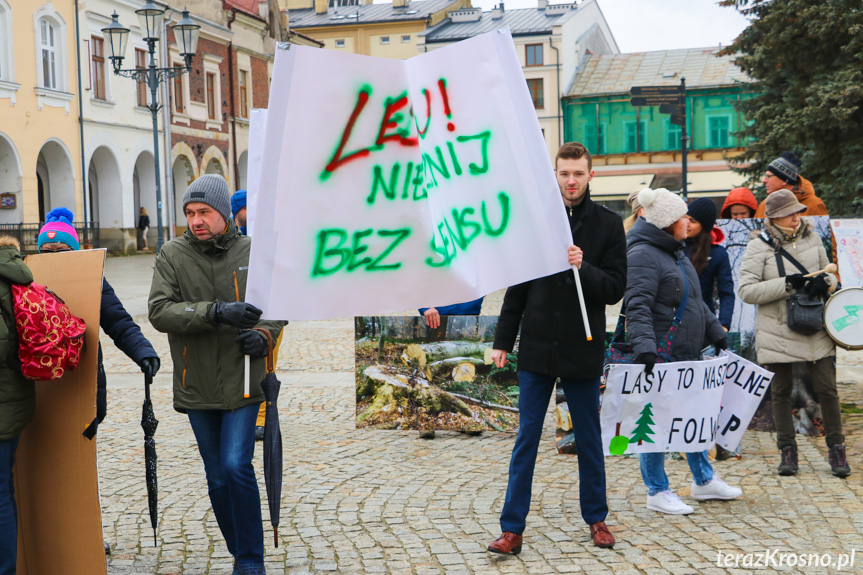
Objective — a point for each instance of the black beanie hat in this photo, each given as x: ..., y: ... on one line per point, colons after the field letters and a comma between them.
x: 703, y: 210
x: 786, y: 167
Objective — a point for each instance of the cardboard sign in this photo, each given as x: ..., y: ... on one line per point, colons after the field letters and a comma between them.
x: 387, y: 184
x: 682, y: 406
x: 56, y: 486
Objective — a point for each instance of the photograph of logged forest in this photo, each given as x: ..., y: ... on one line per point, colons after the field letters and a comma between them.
x: 409, y: 376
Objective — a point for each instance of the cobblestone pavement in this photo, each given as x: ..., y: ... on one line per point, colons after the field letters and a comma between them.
x: 357, y: 501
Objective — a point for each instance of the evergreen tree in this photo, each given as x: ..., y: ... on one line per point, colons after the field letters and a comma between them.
x: 807, y: 61
x: 642, y: 431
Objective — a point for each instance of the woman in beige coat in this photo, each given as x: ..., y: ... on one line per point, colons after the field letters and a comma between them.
x: 777, y: 346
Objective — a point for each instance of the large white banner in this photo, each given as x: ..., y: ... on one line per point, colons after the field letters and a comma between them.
x: 257, y: 128
x: 681, y: 406
x: 388, y: 185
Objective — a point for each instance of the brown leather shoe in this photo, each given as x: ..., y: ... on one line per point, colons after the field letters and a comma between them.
x: 507, y: 543
x: 602, y: 537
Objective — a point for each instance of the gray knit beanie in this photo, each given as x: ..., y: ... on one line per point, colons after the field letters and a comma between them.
x: 210, y: 189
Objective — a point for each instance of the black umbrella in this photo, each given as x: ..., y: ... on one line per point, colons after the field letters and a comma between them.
x: 272, y: 441
x: 149, y: 424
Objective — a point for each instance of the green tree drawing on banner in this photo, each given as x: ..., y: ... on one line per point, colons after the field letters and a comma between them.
x: 642, y: 431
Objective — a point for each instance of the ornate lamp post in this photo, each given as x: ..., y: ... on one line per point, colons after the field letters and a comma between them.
x: 186, y: 34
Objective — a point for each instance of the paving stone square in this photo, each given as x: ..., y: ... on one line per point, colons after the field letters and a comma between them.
x: 364, y: 501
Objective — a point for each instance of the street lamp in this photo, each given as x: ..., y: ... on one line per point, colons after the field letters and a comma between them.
x: 186, y: 34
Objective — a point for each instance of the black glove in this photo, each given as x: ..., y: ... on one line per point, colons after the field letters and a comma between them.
x: 721, y: 344
x: 795, y: 281
x: 817, y: 286
x: 253, y: 343
x: 236, y: 313
x: 150, y: 365
x: 648, y: 359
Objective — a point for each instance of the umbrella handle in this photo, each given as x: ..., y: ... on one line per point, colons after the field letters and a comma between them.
x: 148, y: 380
x: 270, y: 367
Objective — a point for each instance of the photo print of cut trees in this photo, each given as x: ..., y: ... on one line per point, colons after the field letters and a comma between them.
x: 409, y: 376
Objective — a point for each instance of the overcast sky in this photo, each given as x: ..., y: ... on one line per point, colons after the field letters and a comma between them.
x: 644, y: 25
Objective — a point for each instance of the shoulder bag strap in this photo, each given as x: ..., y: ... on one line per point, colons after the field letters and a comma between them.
x: 780, y: 252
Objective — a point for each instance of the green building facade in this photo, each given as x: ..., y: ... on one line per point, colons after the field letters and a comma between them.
x: 608, y: 124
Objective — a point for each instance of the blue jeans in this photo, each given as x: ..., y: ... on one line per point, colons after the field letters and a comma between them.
x: 582, y: 396
x: 653, y: 470
x: 226, y: 441
x: 8, y: 510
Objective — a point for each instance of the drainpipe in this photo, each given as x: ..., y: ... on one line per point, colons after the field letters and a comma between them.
x: 559, y: 116
x: 231, y: 92
x: 81, y: 126
x: 166, y: 125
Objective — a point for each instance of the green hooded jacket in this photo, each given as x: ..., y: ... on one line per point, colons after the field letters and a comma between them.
x: 17, y: 393
x: 189, y: 277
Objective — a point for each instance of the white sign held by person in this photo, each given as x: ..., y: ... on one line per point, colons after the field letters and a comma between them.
x: 849, y: 248
x: 745, y: 386
x: 682, y: 406
x: 387, y: 185
x: 257, y: 126
x: 675, y: 408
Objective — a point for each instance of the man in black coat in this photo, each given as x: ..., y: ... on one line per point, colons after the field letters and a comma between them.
x: 554, y: 345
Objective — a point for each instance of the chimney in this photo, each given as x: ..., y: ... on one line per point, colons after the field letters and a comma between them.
x: 541, y: 4
x: 399, y: 3
x: 497, y: 12
x: 321, y: 6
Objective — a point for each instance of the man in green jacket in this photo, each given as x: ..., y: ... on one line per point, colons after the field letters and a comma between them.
x: 199, y: 284
x: 17, y: 399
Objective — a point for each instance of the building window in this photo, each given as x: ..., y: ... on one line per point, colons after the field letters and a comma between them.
x: 6, y: 42
x: 140, y: 64
x: 179, y: 91
x: 244, y: 98
x: 385, y: 39
x: 406, y: 38
x: 48, y: 53
x: 717, y: 130
x: 672, y: 136
x: 340, y: 43
x: 535, y: 87
x: 533, y: 55
x: 211, y: 96
x: 98, y: 47
x: 634, y: 135
x: 594, y: 138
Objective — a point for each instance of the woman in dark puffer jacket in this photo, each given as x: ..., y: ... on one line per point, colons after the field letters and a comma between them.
x: 659, y: 276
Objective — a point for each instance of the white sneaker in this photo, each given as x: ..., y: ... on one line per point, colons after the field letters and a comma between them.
x: 668, y: 502
x: 715, y: 489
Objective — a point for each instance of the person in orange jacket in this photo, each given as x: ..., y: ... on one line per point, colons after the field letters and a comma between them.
x: 783, y: 173
x: 739, y: 204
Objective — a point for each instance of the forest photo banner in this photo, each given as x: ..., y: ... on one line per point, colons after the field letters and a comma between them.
x: 387, y: 185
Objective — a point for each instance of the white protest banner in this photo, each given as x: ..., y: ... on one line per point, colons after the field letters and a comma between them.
x: 745, y: 386
x: 257, y: 125
x: 388, y: 185
x: 674, y: 409
x: 849, y: 248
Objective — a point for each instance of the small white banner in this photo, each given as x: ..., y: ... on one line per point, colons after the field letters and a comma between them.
x: 745, y: 386
x: 682, y: 406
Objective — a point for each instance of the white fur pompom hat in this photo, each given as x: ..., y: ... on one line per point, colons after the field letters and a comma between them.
x: 661, y: 207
